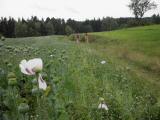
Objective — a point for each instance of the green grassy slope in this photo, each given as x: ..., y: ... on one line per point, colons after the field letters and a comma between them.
x: 140, y: 39
x: 137, y: 47
x: 129, y: 81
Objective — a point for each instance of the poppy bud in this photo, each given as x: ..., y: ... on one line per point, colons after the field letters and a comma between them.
x: 101, y: 99
x: 35, y: 91
x: 34, y: 81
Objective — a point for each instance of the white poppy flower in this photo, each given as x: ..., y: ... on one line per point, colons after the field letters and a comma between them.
x: 103, y: 62
x: 32, y: 66
x: 103, y: 106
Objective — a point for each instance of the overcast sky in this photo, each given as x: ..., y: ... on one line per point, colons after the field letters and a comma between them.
x: 76, y: 9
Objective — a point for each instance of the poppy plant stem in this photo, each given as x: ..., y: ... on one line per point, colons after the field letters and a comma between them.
x: 38, y: 95
x: 37, y: 77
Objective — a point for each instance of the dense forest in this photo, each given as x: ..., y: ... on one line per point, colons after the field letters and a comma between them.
x: 50, y: 26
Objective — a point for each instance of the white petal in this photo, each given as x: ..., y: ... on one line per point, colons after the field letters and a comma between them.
x: 100, y: 106
x: 103, y: 106
x: 41, y: 83
x: 35, y: 63
x: 103, y: 62
x: 23, y: 62
x: 23, y: 66
x: 23, y: 69
x: 31, y: 66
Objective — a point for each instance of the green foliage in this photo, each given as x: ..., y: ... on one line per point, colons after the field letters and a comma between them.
x: 68, y: 30
x: 140, y: 7
x: 35, y: 27
x: 76, y: 78
x: 109, y: 24
x: 50, y: 29
x: 21, y: 29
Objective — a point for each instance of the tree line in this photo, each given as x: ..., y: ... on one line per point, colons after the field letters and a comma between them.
x: 51, y: 26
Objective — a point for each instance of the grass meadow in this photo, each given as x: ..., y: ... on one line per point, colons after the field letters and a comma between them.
x: 128, y: 81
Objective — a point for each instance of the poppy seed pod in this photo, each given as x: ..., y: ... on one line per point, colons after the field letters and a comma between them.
x: 9, y: 65
x: 101, y: 99
x: 23, y: 108
x: 12, y: 81
x: 11, y: 75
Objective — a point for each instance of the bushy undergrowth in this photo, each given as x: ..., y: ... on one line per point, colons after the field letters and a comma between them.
x: 76, y: 80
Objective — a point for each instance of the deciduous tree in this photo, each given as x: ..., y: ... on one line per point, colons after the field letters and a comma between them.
x: 140, y: 7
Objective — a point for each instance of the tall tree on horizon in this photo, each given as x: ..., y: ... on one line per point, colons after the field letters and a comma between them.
x: 140, y: 7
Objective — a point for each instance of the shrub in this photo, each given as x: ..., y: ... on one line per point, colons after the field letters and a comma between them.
x: 2, y: 38
x: 91, y: 38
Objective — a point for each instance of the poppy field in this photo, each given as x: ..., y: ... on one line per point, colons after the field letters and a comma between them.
x: 114, y: 77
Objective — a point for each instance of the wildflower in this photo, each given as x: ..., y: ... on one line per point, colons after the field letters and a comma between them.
x: 41, y: 83
x: 103, y: 62
x: 51, y: 55
x: 34, y: 67
x: 31, y: 67
x: 102, y: 104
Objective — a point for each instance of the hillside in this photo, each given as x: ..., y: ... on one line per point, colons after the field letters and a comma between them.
x: 128, y: 80
x: 137, y: 47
